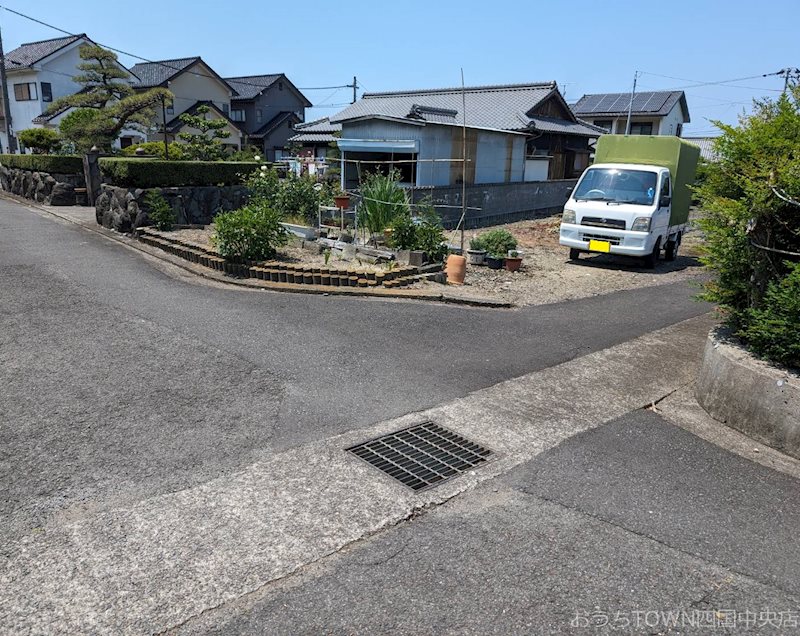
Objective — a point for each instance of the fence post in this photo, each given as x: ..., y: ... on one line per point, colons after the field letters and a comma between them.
x: 91, y: 173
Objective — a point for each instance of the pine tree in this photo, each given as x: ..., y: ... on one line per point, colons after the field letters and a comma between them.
x: 110, y: 102
x: 200, y: 146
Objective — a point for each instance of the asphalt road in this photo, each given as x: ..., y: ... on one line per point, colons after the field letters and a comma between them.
x: 122, y: 380
x: 633, y: 527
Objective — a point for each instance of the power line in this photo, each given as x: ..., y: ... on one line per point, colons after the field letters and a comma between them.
x: 148, y: 61
x: 697, y: 83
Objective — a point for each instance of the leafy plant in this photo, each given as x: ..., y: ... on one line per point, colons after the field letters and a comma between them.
x: 404, y: 235
x: 263, y: 185
x: 253, y: 232
x: 383, y: 200
x: 299, y: 195
x: 156, y: 149
x: 498, y: 242
x: 248, y: 153
x: 327, y: 255
x: 159, y: 211
x: 206, y: 143
x: 477, y: 244
x: 40, y: 140
x: 773, y: 330
x: 751, y: 225
x: 430, y: 233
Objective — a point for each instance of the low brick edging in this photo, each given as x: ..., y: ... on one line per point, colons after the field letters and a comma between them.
x: 749, y: 395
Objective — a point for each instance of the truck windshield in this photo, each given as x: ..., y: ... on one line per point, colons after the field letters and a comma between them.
x: 617, y: 185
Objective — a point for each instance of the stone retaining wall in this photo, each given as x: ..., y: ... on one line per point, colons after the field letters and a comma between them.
x: 755, y: 398
x: 122, y: 209
x: 46, y: 188
x: 499, y: 202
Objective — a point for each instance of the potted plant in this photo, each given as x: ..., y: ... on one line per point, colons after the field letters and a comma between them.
x: 497, y: 244
x: 342, y: 201
x: 476, y: 254
x: 513, y: 261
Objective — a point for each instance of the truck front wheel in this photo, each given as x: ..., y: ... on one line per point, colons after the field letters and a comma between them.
x: 652, y: 258
x: 574, y: 254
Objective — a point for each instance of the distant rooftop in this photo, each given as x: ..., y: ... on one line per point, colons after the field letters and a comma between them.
x: 152, y: 74
x: 657, y: 103
x: 317, y: 131
x: 706, y: 145
x: 26, y: 55
x: 497, y: 107
x: 249, y: 86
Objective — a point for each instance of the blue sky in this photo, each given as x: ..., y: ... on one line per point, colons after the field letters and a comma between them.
x: 586, y: 46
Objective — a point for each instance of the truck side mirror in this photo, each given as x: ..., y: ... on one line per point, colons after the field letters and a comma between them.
x: 665, y: 201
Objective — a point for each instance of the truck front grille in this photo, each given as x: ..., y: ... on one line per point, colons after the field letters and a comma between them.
x: 596, y: 221
x: 614, y: 240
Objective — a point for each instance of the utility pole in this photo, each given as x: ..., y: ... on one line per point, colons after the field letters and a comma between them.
x: 164, y: 121
x: 630, y: 104
x: 12, y: 142
x: 354, y: 86
x: 788, y: 74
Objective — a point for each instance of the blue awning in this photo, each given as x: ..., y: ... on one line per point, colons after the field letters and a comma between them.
x: 379, y: 145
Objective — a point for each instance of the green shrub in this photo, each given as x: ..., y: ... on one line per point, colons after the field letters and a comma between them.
x: 477, y: 244
x: 750, y: 224
x: 61, y: 164
x: 773, y: 330
x: 159, y: 211
x: 156, y: 149
x: 498, y: 243
x: 424, y: 233
x: 249, y: 153
x: 263, y: 185
x: 155, y: 173
x: 299, y: 196
x: 252, y: 233
x: 404, y: 232
x: 40, y: 140
x: 383, y: 200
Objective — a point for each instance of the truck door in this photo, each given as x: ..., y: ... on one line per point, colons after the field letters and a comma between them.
x: 662, y: 215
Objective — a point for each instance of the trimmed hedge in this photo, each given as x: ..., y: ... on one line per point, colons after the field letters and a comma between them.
x: 157, y: 173
x: 61, y: 164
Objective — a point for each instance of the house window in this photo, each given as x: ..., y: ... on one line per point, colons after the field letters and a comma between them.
x: 170, y: 109
x: 47, y: 92
x: 679, y: 130
x: 25, y: 92
x: 259, y: 115
x: 642, y: 128
x: 237, y: 115
x: 280, y: 86
x: 226, y: 109
x: 603, y: 123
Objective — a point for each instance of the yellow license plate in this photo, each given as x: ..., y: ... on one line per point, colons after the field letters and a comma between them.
x: 599, y: 246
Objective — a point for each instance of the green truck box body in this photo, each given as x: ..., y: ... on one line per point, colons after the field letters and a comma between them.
x: 670, y: 152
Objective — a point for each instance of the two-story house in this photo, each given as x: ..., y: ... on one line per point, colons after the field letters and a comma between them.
x: 38, y: 73
x: 193, y: 83
x: 266, y: 108
x: 652, y: 113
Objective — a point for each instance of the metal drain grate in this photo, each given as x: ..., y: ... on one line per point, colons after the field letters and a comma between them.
x: 423, y: 455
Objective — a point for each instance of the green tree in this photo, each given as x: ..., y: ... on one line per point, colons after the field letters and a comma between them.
x: 205, y: 144
x: 40, y: 140
x: 752, y: 218
x: 106, y: 91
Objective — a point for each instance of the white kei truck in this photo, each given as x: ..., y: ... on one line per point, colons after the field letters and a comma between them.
x: 634, y: 200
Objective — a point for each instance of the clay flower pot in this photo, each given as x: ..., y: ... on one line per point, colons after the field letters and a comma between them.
x: 342, y: 201
x: 513, y: 263
x: 456, y: 269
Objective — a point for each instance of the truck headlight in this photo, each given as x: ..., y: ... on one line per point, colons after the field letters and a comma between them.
x: 568, y: 216
x: 641, y: 224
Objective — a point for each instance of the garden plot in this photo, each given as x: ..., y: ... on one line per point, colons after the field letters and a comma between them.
x: 548, y: 276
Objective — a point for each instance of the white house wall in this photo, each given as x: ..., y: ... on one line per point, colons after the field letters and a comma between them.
x: 669, y: 124
x: 192, y: 86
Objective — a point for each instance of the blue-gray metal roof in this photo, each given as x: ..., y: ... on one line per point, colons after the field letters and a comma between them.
x: 316, y: 132
x: 26, y: 55
x: 250, y: 86
x: 151, y: 74
x: 493, y: 107
x: 658, y: 103
x: 706, y: 145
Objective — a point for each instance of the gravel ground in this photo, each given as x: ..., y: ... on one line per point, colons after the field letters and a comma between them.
x: 547, y: 275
